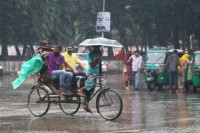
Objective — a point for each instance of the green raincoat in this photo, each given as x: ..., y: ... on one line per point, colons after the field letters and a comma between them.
x: 31, y: 66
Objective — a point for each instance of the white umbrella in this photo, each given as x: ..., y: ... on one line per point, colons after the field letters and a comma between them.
x: 102, y: 42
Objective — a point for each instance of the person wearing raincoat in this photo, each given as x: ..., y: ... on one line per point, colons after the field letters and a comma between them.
x: 184, y: 63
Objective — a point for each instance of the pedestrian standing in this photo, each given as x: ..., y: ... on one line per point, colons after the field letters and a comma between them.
x: 136, y: 61
x: 127, y: 71
x: 172, y: 65
x: 183, y: 67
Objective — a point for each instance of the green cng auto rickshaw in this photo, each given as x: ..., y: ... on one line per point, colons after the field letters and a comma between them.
x: 155, y: 71
x: 196, y: 70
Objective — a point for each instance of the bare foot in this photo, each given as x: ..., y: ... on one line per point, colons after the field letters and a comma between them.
x: 80, y: 92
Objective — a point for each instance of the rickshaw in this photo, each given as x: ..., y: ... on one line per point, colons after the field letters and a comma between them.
x: 155, y: 71
x: 196, y: 70
x: 108, y: 102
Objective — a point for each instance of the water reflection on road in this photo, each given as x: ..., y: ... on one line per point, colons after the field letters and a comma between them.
x: 143, y: 111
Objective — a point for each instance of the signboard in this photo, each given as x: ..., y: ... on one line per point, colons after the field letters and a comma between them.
x: 103, y: 22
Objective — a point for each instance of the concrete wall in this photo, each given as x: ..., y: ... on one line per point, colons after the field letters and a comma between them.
x: 12, y: 67
x: 113, y: 65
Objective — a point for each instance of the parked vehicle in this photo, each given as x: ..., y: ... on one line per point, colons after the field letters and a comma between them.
x: 196, y: 70
x: 83, y: 58
x: 156, y: 74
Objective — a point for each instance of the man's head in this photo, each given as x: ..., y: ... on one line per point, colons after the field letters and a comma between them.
x: 137, y: 53
x: 100, y: 22
x: 96, y: 48
x: 70, y: 48
x: 129, y: 53
x: 175, y: 51
x: 57, y: 50
x: 44, y: 45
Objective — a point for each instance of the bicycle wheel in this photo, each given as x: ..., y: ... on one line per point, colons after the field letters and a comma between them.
x: 38, y: 101
x: 109, y: 104
x: 71, y: 104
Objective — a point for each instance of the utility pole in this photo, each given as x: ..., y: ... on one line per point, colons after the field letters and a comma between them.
x: 102, y: 33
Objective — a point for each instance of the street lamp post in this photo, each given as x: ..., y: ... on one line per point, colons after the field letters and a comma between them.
x: 103, y: 5
x: 102, y: 33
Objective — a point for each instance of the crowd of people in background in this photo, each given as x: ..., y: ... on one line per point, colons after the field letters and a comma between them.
x: 132, y: 65
x: 177, y: 67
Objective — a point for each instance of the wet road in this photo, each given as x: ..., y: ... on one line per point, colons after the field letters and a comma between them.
x: 143, y: 111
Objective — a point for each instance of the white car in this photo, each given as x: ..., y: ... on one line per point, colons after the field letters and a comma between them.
x: 83, y: 58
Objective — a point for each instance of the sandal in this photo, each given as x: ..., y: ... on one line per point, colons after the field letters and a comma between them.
x: 62, y: 91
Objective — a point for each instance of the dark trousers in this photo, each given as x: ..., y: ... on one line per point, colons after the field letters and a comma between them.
x: 74, y: 79
x: 173, y: 79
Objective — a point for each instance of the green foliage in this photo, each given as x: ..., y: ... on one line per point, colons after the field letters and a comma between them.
x: 134, y: 22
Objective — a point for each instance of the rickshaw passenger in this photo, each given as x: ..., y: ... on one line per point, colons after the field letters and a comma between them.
x: 56, y: 69
x: 44, y: 47
x: 172, y: 65
x: 73, y: 60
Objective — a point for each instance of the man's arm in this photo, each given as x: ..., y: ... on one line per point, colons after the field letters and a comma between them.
x: 178, y: 62
x: 44, y: 54
x: 79, y: 63
x: 129, y: 60
x: 68, y: 65
x: 63, y: 66
x: 140, y: 63
x: 95, y: 61
x: 82, y: 66
x: 167, y: 62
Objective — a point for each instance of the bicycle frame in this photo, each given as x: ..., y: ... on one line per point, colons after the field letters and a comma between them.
x: 51, y: 89
x: 99, y: 84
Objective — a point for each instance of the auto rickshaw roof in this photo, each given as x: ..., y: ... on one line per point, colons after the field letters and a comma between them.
x: 156, y: 51
x: 196, y: 52
x: 179, y: 50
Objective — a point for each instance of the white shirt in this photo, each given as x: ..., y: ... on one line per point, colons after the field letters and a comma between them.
x: 136, y: 62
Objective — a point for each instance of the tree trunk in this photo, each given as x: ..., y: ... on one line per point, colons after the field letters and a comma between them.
x: 24, y: 50
x: 4, y: 51
x: 17, y: 51
x: 176, y: 37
